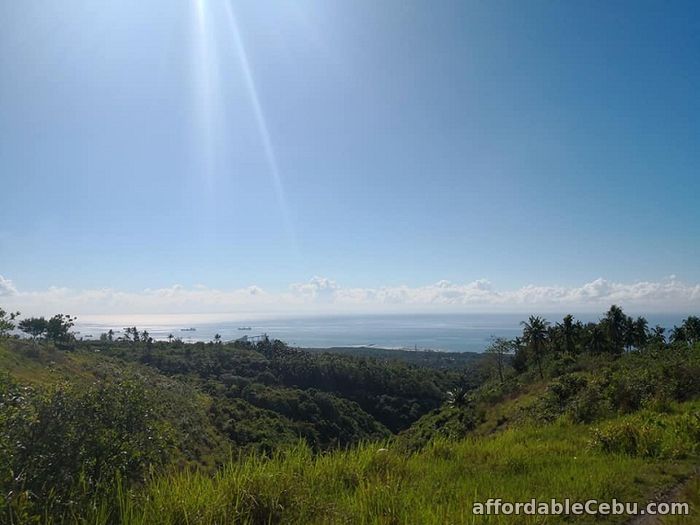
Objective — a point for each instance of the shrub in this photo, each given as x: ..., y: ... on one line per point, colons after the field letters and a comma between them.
x: 589, y: 405
x: 57, y: 441
x: 648, y: 434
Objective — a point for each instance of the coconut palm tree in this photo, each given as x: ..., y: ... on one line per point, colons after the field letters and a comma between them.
x: 535, y: 336
x: 658, y: 334
x: 615, y: 321
x: 641, y: 332
x: 567, y: 328
x: 596, y: 340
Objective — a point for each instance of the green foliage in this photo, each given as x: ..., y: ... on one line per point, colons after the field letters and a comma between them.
x: 452, y: 422
x: 396, y: 395
x: 58, y: 439
x: 499, y: 349
x: 551, y: 350
x: 688, y: 332
x: 392, y: 393
x: 635, y: 381
x: 375, y: 483
x: 309, y: 434
x: 650, y: 434
x: 34, y: 326
x: 58, y: 328
x: 439, y: 360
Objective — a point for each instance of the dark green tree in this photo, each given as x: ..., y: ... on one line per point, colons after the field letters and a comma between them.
x: 615, y: 323
x: 535, y: 337
x: 568, y: 331
x: 658, y: 335
x: 58, y: 328
x: 641, y: 332
x: 34, y: 326
x: 688, y: 332
x: 597, y: 342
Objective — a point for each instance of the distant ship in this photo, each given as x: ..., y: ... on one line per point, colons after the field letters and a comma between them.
x: 188, y: 329
x: 244, y: 328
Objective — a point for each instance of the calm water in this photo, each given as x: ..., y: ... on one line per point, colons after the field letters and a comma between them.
x: 451, y: 332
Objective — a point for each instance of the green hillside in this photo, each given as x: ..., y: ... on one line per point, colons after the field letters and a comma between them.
x: 139, y: 431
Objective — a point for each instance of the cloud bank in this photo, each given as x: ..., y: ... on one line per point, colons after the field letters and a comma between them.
x: 322, y: 295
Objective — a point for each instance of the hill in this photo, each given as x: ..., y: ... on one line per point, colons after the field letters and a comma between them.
x: 138, y: 431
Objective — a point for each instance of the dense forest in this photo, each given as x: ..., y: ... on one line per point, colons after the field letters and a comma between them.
x: 127, y: 429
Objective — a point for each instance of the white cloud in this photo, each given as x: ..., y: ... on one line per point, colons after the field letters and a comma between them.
x: 323, y: 295
x: 6, y: 287
x: 317, y: 289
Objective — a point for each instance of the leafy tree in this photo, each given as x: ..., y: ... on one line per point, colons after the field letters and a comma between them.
x: 58, y: 328
x: 34, y: 326
x: 535, y: 337
x: 499, y: 349
x: 7, y: 322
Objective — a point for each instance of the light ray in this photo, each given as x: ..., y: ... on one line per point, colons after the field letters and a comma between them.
x: 261, y: 122
x: 207, y: 78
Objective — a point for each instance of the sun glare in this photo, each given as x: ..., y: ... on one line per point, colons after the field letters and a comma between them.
x: 209, y: 103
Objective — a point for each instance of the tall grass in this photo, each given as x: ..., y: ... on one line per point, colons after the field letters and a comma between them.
x: 368, y: 485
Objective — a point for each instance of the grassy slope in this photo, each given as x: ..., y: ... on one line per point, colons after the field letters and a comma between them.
x: 185, y: 408
x: 437, y: 485
x: 363, y: 485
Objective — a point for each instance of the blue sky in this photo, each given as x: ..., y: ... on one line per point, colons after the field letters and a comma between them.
x: 377, y: 144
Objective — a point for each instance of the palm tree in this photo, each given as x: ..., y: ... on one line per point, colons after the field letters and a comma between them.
x: 678, y: 334
x: 217, y: 339
x: 658, y: 334
x: 615, y: 321
x: 170, y: 338
x: 641, y: 332
x: 691, y: 330
x: 535, y: 336
x: 568, y: 333
x: 597, y: 340
x: 459, y: 397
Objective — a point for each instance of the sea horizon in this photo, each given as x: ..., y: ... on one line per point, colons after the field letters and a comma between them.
x: 449, y: 332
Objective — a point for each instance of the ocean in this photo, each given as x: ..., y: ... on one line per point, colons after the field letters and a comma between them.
x: 440, y: 332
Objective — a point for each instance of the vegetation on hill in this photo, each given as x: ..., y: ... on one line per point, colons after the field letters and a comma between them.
x: 425, y: 358
x: 132, y: 430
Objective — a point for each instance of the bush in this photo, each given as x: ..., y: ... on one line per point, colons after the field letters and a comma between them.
x: 648, y: 434
x: 56, y: 441
x: 589, y: 405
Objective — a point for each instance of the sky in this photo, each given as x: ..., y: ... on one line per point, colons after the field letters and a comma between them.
x: 220, y: 155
